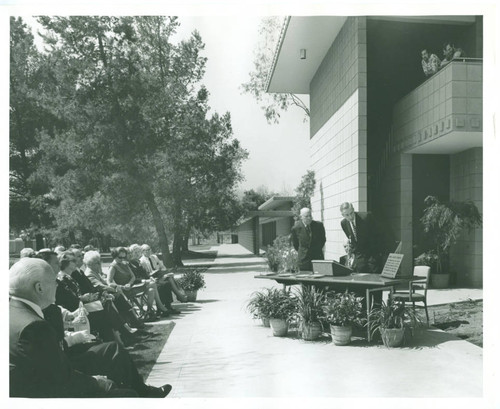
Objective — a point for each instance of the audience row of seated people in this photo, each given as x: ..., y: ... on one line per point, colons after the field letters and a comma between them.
x: 48, y: 358
x: 431, y: 62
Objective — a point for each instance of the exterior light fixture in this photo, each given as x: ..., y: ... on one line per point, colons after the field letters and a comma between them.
x: 302, y: 53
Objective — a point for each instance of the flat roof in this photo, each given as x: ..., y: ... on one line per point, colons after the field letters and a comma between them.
x: 275, y: 202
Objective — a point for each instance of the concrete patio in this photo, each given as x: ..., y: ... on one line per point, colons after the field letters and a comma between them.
x: 216, y: 350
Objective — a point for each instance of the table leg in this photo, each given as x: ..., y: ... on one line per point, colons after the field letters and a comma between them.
x: 368, y: 309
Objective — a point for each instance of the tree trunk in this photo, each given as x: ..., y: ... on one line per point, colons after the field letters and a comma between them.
x: 160, y: 228
x: 176, y: 246
x: 185, y: 239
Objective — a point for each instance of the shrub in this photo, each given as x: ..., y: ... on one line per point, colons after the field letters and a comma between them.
x: 278, y: 303
x: 343, y: 309
x: 281, y: 256
x: 192, y: 280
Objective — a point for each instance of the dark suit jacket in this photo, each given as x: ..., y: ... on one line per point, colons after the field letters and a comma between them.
x: 83, y: 282
x: 38, y: 366
x: 308, y: 246
x: 365, y: 245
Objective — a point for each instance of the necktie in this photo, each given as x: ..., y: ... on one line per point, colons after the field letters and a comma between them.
x: 151, y: 262
x: 353, y: 226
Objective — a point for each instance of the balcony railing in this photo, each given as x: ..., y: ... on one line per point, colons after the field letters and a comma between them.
x: 450, y: 100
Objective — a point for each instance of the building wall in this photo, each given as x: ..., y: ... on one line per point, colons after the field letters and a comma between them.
x: 466, y: 183
x: 246, y: 235
x: 338, y: 131
x: 396, y: 197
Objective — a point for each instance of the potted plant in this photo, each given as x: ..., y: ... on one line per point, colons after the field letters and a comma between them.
x: 257, y: 305
x: 192, y: 281
x: 393, y: 321
x: 279, y: 306
x: 281, y: 256
x: 342, y: 311
x: 443, y: 224
x: 310, y: 312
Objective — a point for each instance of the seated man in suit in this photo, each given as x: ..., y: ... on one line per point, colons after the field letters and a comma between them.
x: 308, y: 238
x: 95, y: 358
x: 155, y: 267
x: 363, y: 235
x: 348, y: 260
x: 38, y: 366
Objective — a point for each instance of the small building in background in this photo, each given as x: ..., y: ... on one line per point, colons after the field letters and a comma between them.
x: 272, y: 219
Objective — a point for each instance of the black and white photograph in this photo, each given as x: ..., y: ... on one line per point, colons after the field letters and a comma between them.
x: 271, y: 205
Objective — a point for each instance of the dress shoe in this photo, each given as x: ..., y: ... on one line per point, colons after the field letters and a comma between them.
x: 173, y: 311
x: 161, y: 392
x: 150, y: 317
x: 163, y: 314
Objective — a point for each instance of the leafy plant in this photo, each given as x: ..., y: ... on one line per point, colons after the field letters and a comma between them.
x: 281, y: 256
x: 277, y: 303
x: 310, y: 302
x: 343, y: 309
x: 257, y: 303
x: 392, y: 315
x: 443, y: 223
x: 192, y: 280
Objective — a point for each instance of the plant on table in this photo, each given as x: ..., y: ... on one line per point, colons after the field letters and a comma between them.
x: 310, y: 315
x: 342, y: 311
x: 443, y: 223
x: 192, y: 281
x: 279, y: 306
x: 393, y: 321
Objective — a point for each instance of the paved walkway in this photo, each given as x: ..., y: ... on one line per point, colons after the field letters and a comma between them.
x: 217, y: 350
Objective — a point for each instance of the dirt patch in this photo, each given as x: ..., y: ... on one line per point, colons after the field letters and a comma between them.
x: 462, y: 319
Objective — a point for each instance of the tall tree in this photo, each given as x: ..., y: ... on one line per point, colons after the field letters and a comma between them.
x: 140, y: 143
x: 271, y: 103
x: 304, y: 192
x: 28, y: 194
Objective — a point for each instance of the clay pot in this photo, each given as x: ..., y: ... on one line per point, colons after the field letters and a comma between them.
x: 341, y: 335
x: 279, y: 326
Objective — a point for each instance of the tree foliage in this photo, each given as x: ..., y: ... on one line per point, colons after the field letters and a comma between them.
x: 136, y: 147
x: 304, y: 192
x: 271, y: 103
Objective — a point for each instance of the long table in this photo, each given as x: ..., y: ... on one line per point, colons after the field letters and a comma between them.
x: 368, y: 282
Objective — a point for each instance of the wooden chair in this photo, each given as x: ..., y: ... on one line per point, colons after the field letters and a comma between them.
x: 412, y: 295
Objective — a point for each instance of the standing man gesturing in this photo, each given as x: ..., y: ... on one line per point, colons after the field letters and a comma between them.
x: 308, y: 238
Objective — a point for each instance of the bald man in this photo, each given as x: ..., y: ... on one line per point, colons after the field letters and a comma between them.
x: 308, y: 238
x: 38, y: 366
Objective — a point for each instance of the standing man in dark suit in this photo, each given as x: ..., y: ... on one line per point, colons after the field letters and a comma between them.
x: 308, y: 238
x: 361, y: 231
x: 38, y: 366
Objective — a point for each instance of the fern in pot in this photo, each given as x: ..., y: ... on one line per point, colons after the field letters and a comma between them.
x: 310, y: 314
x: 394, y: 321
x: 342, y: 311
x: 192, y: 281
x: 279, y: 306
x: 257, y: 305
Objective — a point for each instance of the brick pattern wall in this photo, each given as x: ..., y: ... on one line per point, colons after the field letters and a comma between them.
x: 466, y: 183
x: 246, y: 235
x: 338, y: 131
x: 450, y: 100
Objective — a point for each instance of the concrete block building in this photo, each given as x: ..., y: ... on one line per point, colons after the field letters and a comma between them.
x: 382, y: 135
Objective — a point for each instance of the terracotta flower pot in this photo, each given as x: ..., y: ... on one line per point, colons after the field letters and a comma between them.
x: 191, y: 295
x: 311, y: 331
x: 392, y: 337
x: 265, y: 322
x: 279, y: 326
x: 341, y: 335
